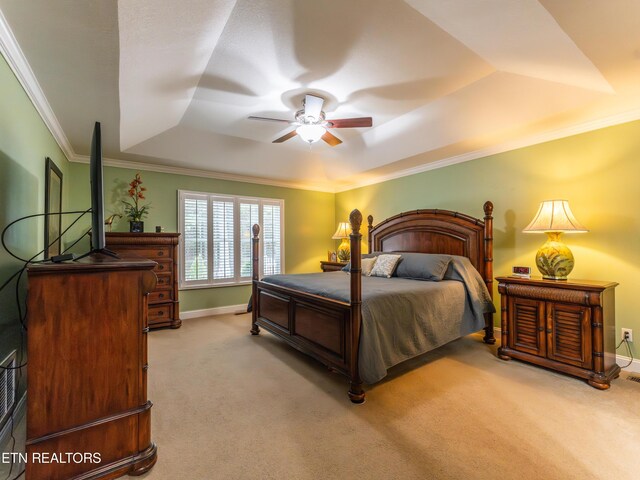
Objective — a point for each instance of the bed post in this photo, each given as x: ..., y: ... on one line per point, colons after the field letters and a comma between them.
x: 356, y: 393
x: 369, y: 228
x: 255, y: 257
x: 488, y: 268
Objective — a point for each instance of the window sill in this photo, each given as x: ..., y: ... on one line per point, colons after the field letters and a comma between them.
x: 215, y: 285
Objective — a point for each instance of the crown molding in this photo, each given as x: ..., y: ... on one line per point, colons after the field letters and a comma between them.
x: 192, y: 172
x: 610, y: 121
x: 12, y: 52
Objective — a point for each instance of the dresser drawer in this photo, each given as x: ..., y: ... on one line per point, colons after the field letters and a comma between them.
x: 154, y: 253
x: 160, y: 312
x: 164, y: 265
x: 165, y: 281
x: 160, y: 296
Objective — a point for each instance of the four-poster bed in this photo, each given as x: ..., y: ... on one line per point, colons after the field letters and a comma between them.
x: 329, y: 329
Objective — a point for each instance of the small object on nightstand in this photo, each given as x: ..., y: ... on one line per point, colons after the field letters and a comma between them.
x: 522, y: 272
x: 331, y: 266
x: 566, y: 326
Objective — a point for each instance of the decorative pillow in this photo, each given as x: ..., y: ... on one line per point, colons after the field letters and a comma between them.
x: 347, y: 267
x: 385, y: 265
x: 423, y: 266
x: 367, y: 265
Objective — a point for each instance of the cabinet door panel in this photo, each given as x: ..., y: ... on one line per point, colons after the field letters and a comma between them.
x: 526, y: 326
x: 568, y: 334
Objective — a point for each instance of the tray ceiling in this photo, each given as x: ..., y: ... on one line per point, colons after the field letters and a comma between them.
x: 174, y: 82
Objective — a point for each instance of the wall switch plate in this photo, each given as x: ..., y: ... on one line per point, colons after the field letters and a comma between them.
x: 629, y: 331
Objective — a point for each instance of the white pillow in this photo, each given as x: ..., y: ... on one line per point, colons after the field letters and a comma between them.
x: 385, y: 265
x: 367, y: 265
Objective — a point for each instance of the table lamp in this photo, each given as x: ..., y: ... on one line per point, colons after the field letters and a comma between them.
x: 554, y: 259
x: 342, y: 233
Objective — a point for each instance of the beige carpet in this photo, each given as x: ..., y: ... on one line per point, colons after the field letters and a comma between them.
x: 231, y: 406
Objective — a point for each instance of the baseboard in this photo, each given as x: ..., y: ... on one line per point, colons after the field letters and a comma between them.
x: 18, y: 412
x: 207, y: 312
x: 620, y: 359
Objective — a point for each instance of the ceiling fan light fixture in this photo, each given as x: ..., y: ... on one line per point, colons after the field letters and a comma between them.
x: 310, y: 133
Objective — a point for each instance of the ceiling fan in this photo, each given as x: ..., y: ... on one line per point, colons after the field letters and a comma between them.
x: 312, y: 125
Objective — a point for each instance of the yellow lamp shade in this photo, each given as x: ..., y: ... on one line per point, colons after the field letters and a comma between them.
x: 342, y: 233
x: 555, y: 216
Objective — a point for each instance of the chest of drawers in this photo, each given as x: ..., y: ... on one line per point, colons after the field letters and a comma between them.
x: 162, y: 248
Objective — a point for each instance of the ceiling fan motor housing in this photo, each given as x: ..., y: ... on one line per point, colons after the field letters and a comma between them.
x: 308, y: 120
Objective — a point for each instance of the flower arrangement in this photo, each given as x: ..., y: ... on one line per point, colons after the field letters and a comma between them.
x: 133, y: 210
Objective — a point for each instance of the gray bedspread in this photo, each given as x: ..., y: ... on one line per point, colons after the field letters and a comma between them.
x: 403, y: 318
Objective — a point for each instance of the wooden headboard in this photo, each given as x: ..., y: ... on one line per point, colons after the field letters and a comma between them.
x: 439, y: 231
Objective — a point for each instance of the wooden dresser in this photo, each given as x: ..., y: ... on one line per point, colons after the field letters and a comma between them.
x: 87, y: 383
x: 164, y: 305
x: 331, y: 266
x: 565, y: 325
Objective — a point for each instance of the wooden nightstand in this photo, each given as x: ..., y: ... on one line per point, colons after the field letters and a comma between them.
x: 331, y: 266
x: 568, y: 326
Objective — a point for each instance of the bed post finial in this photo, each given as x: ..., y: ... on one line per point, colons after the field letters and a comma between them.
x: 488, y: 209
x: 355, y: 219
x: 356, y: 393
x: 255, y: 257
x: 488, y: 268
x: 369, y: 228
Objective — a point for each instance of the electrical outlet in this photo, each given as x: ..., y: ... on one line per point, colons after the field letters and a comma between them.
x: 629, y: 334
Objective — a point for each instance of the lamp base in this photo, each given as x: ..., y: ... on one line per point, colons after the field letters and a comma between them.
x: 344, y: 251
x: 554, y: 259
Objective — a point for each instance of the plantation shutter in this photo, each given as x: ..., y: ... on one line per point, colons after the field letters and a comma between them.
x: 195, y: 238
x: 223, y: 238
x: 216, y: 243
x: 249, y: 216
x: 271, y: 238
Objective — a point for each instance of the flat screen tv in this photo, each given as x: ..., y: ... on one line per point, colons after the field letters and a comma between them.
x: 98, y: 240
x: 97, y: 207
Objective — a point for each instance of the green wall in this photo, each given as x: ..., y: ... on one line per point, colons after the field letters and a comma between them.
x: 25, y: 141
x: 309, y: 220
x: 597, y: 172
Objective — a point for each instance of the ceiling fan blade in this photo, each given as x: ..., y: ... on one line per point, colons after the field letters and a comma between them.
x: 285, y: 137
x: 269, y: 119
x: 331, y: 139
x: 313, y: 106
x: 350, y: 122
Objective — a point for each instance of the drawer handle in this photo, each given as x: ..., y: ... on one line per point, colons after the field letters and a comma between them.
x: 161, y: 267
x: 549, y: 330
x: 162, y: 295
x: 541, y: 329
x: 160, y: 253
x: 160, y: 312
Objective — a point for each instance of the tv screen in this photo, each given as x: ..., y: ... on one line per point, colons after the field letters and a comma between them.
x: 97, y: 207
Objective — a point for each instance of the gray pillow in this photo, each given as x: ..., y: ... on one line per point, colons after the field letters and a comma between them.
x: 423, y: 266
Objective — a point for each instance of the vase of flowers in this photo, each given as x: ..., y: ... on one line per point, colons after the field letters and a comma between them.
x: 134, y: 211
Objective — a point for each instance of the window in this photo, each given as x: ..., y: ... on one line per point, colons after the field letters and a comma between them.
x: 216, y: 238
